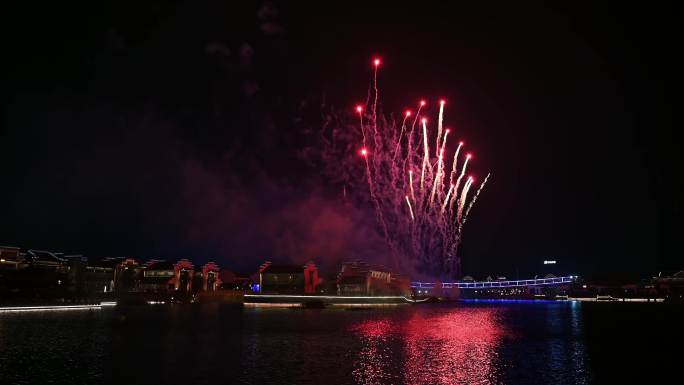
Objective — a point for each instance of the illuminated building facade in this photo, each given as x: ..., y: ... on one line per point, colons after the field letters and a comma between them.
x: 211, y: 280
x: 180, y: 277
x: 127, y: 275
x: 233, y: 281
x: 359, y: 278
x: 288, y: 279
x: 183, y: 275
x: 11, y: 258
x: 157, y: 277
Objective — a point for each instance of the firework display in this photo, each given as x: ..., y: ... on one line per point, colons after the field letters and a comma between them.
x: 421, y: 193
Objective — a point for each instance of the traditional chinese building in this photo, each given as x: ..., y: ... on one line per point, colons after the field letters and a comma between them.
x: 288, y: 279
x: 43, y: 259
x: 100, y: 275
x: 360, y: 278
x: 234, y: 281
x: 183, y: 274
x: 11, y: 258
x: 128, y: 275
x: 157, y: 277
x: 211, y: 280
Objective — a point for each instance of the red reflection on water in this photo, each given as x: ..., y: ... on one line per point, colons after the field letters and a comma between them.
x: 447, y: 346
x: 374, y: 361
x: 455, y: 347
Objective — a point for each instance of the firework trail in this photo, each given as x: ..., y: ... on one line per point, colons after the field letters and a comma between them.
x: 376, y: 64
x: 460, y: 177
x: 439, y: 125
x: 464, y: 196
x: 426, y: 154
x: 408, y: 202
x: 401, y: 133
x: 421, y: 221
x: 359, y: 110
x: 472, y: 202
x: 446, y: 200
x: 437, y: 178
x: 413, y: 194
x: 453, y: 167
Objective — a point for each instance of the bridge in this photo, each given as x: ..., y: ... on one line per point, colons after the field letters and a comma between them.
x: 497, y: 284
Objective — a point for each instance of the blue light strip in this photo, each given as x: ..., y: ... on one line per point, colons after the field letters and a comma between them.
x: 496, y: 284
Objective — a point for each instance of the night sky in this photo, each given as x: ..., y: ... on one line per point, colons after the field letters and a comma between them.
x: 173, y: 130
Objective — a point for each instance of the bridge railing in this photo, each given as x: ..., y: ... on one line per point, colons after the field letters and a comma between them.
x: 497, y: 284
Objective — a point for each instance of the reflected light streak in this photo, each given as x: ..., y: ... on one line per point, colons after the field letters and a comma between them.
x: 373, y: 363
x: 16, y: 309
x: 458, y: 346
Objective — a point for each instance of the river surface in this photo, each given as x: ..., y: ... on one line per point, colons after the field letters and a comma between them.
x: 459, y: 343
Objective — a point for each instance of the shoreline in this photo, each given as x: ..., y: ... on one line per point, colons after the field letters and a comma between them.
x: 315, y: 301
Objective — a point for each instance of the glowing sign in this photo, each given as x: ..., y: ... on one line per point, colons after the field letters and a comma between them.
x: 550, y: 262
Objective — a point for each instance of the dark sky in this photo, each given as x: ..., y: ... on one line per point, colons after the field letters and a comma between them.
x: 172, y: 130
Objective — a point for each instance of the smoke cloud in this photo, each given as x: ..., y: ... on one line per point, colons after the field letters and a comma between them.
x: 267, y: 218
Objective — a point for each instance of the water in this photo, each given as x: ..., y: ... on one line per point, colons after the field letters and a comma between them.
x: 464, y: 343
